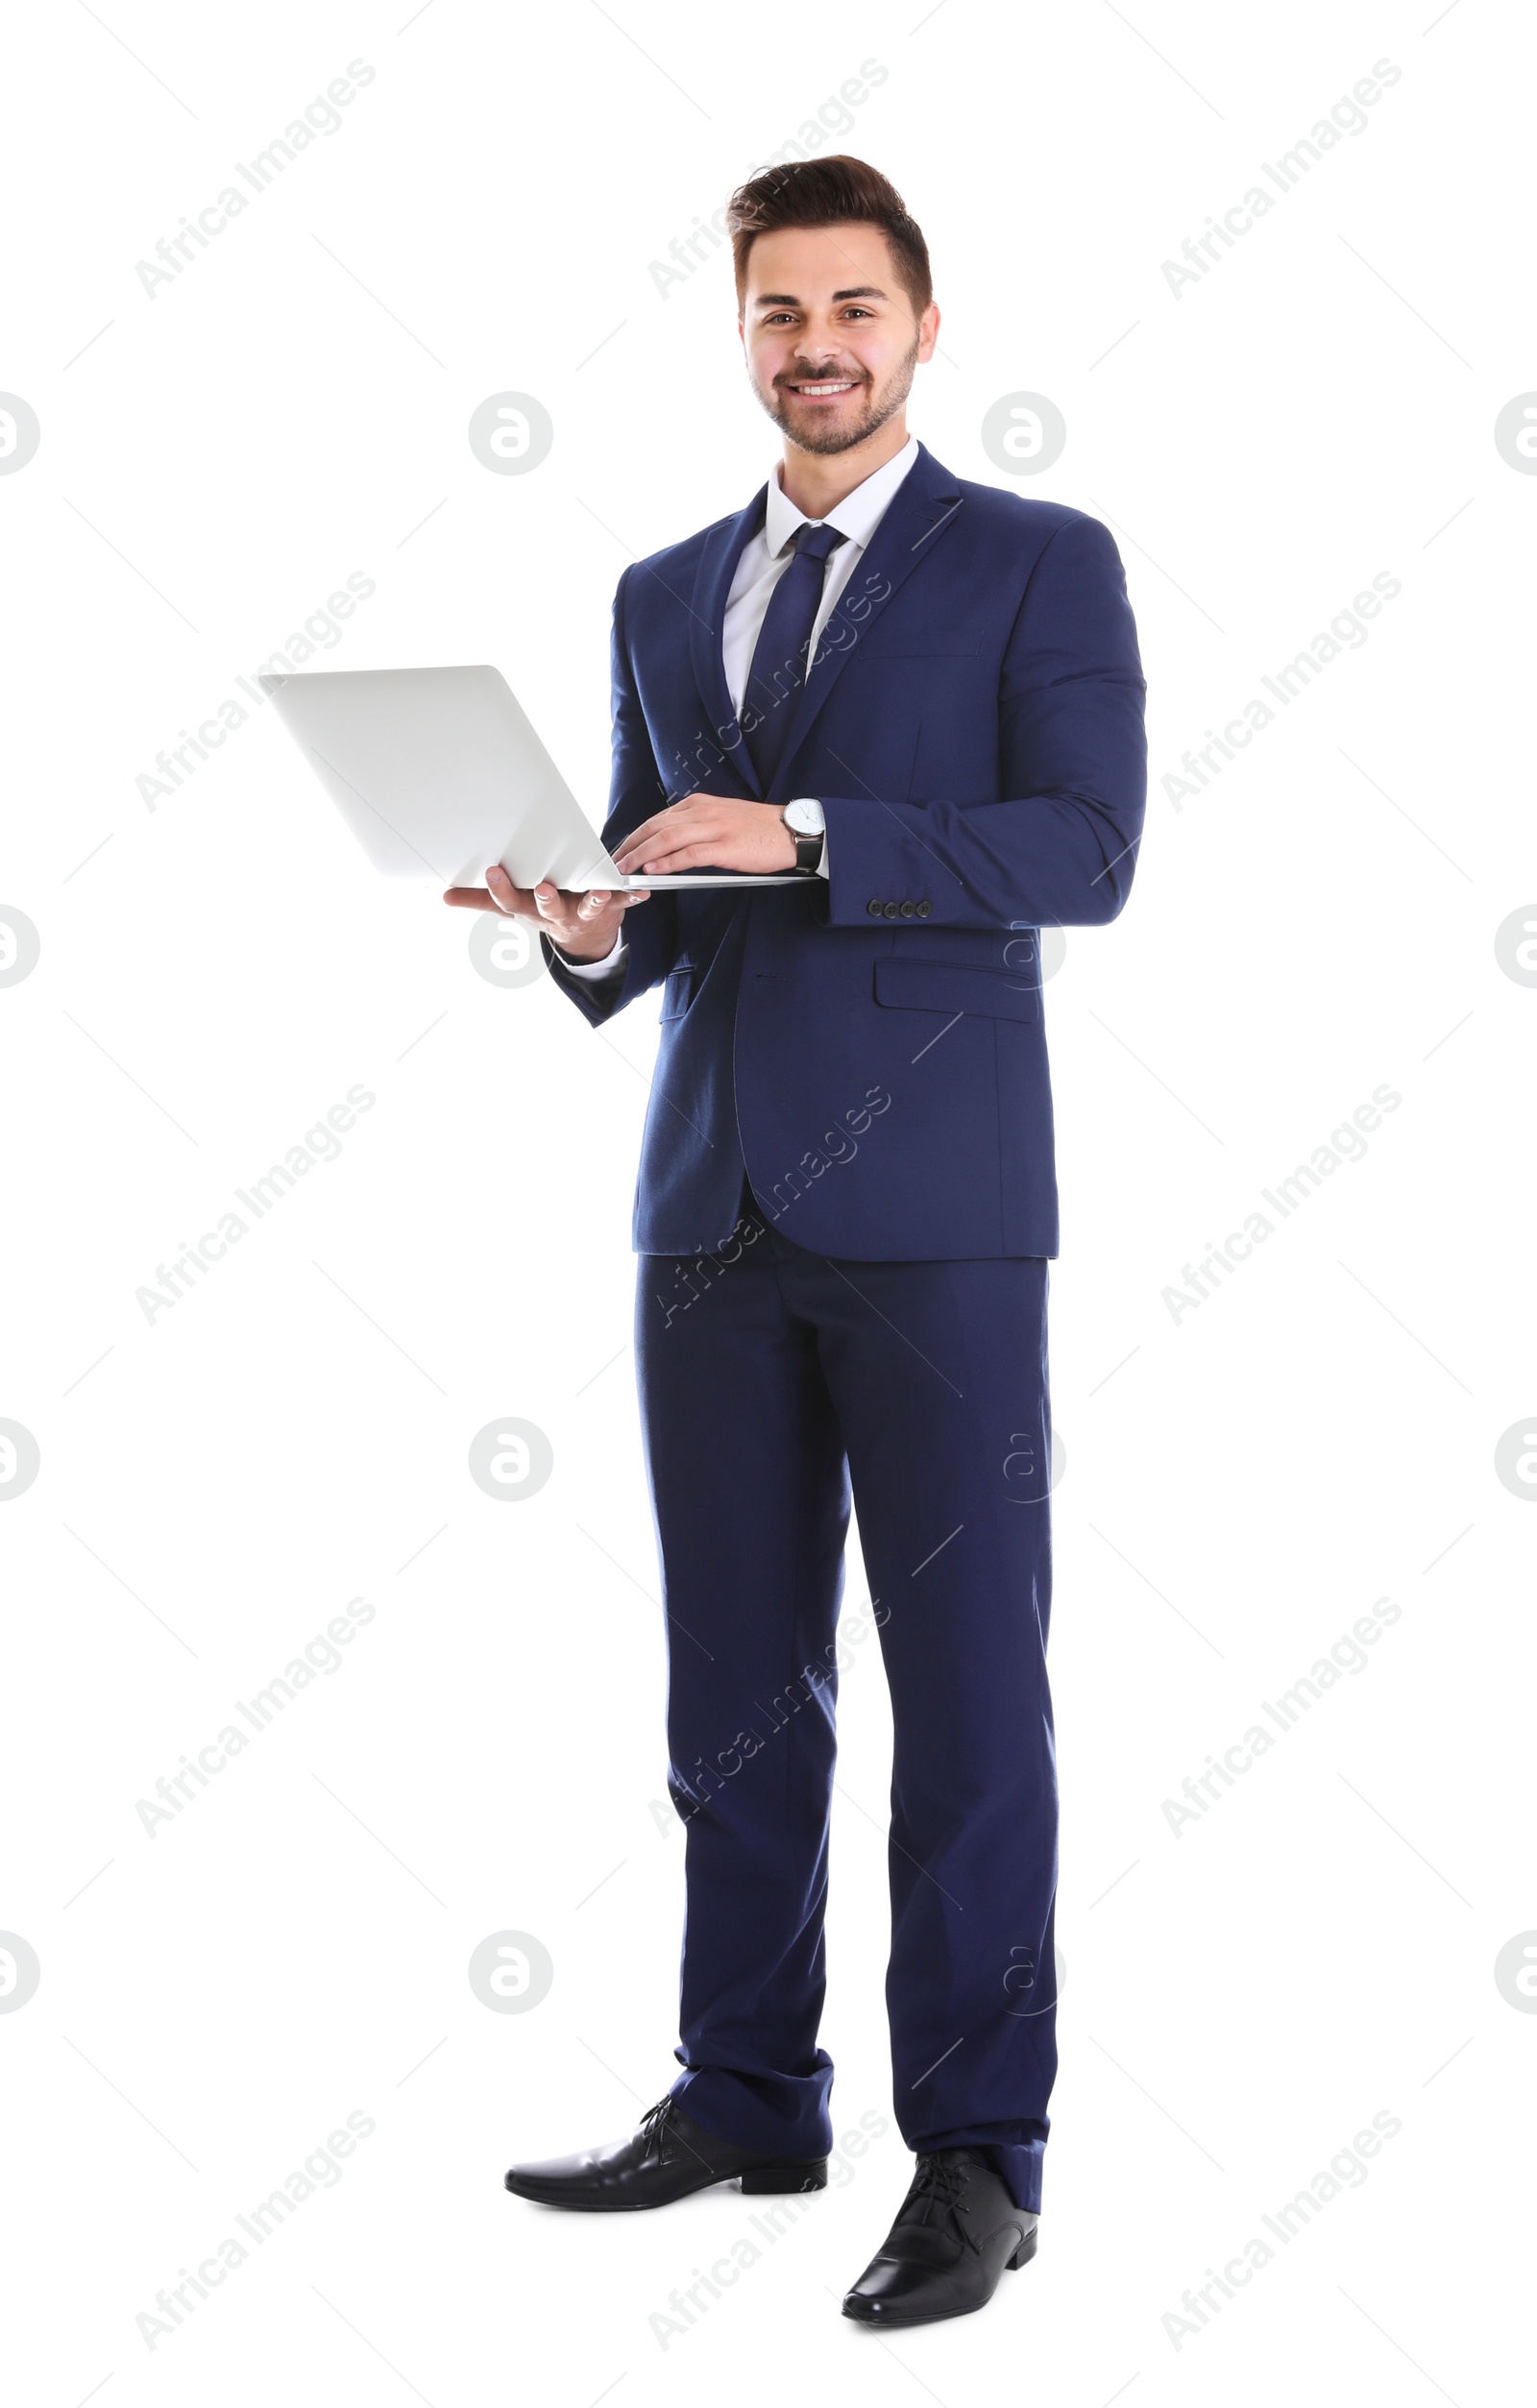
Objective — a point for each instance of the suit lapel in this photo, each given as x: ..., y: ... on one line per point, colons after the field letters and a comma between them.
x: 916, y: 523
x: 707, y: 616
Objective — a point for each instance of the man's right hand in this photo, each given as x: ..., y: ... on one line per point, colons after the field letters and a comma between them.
x: 586, y: 926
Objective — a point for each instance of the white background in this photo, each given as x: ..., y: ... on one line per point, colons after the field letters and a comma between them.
x: 1242, y: 1483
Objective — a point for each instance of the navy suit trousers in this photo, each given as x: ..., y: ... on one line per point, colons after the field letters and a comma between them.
x: 772, y: 1381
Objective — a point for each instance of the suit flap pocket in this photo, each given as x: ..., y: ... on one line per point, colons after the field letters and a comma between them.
x: 947, y: 986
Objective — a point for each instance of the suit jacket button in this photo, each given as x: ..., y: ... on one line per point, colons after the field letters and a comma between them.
x: 873, y: 907
x: 924, y: 909
x: 907, y: 910
x: 888, y: 911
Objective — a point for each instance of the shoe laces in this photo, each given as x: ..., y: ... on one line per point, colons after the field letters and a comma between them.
x: 654, y: 2124
x: 937, y: 2190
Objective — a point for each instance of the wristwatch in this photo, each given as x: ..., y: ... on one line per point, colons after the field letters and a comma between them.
x: 807, y: 824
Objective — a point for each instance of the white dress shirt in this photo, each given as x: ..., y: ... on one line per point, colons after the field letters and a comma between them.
x: 764, y: 558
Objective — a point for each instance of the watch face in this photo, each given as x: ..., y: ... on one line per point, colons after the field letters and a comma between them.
x: 805, y: 819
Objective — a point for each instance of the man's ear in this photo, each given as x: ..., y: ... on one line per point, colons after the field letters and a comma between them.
x: 929, y: 330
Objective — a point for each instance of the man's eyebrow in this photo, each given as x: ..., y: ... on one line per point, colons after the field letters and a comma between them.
x: 792, y: 301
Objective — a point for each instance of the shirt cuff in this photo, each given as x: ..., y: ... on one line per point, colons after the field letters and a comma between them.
x: 611, y: 962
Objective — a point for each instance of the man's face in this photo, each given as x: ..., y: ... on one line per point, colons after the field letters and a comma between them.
x: 829, y: 333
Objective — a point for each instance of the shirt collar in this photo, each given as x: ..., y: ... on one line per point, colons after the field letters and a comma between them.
x: 855, y: 517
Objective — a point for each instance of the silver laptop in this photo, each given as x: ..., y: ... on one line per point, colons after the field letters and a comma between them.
x: 438, y: 772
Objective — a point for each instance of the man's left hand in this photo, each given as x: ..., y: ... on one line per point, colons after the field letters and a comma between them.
x: 708, y: 832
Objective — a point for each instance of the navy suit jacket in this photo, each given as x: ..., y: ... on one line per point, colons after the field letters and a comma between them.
x: 872, y: 1046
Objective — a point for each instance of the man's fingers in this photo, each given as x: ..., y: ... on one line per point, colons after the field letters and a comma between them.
x: 683, y: 857
x: 497, y: 895
x: 509, y: 899
x: 691, y: 811
x: 653, y: 853
x: 648, y: 827
x: 674, y: 848
x: 503, y: 893
x: 564, y: 914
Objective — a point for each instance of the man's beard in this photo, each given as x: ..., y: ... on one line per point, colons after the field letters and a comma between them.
x: 829, y: 440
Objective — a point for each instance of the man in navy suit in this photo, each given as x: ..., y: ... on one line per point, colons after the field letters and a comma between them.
x: 926, y: 693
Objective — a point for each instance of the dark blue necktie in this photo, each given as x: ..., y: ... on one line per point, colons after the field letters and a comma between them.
x: 778, y: 670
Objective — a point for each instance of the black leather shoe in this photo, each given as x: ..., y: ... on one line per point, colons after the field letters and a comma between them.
x: 956, y: 2231
x: 665, y: 2158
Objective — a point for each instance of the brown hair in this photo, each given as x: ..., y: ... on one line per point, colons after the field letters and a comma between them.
x: 829, y: 192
